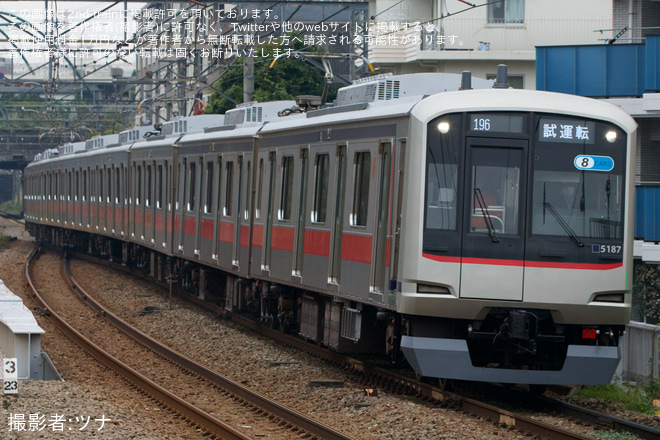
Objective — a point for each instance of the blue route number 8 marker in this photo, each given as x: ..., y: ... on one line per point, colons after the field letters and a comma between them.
x: 593, y: 163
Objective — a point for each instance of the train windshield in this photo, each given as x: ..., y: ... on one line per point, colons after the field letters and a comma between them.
x: 578, y: 184
x: 506, y: 175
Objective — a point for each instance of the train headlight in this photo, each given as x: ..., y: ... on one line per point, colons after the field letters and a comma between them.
x: 443, y: 127
x: 430, y: 288
x: 610, y: 297
x: 610, y: 136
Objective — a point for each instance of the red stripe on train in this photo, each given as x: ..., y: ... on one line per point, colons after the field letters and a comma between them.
x: 257, y: 235
x: 541, y: 264
x: 245, y: 236
x: 317, y: 243
x: 189, y: 225
x: 356, y: 248
x: 207, y: 226
x: 282, y: 239
x: 226, y: 232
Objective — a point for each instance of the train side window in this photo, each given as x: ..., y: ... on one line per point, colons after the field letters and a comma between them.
x: 248, y: 193
x: 70, y: 185
x: 77, y: 190
x: 159, y: 187
x: 208, y: 206
x: 109, y: 185
x: 219, y: 186
x: 148, y: 185
x: 322, y: 167
x: 228, y: 189
x: 179, y: 194
x: 100, y: 173
x: 360, y: 209
x: 117, y: 185
x: 138, y: 185
x: 167, y: 198
x: 193, y: 186
x: 257, y: 212
x: 84, y: 187
x: 284, y: 213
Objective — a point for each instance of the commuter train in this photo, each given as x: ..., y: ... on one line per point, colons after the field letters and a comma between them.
x: 483, y: 232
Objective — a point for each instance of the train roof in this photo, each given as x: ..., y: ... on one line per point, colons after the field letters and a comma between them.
x: 382, y: 96
x: 527, y: 100
x: 171, y: 132
x: 247, y: 120
x: 378, y: 97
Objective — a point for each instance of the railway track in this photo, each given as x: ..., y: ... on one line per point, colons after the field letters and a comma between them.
x: 270, y: 411
x: 376, y: 377
x: 399, y: 383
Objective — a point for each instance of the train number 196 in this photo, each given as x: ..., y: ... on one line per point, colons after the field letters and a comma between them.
x: 481, y: 124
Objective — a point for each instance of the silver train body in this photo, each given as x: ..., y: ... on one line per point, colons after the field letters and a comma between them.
x: 485, y: 234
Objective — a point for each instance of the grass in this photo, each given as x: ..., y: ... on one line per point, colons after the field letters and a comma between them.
x: 636, y: 399
x: 611, y: 435
x: 11, y: 207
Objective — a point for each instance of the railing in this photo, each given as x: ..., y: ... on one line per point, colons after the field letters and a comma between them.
x: 524, y: 36
x: 473, y: 34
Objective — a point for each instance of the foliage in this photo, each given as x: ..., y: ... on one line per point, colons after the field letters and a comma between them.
x: 645, y: 289
x: 12, y: 207
x: 636, y: 399
x: 288, y: 78
x: 612, y: 435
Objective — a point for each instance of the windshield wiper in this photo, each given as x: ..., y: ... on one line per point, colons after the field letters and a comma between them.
x: 571, y: 233
x: 484, y: 212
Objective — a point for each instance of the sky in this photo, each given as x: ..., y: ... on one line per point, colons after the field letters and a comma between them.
x: 107, y: 27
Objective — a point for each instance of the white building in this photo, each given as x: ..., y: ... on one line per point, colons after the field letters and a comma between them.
x: 478, y: 39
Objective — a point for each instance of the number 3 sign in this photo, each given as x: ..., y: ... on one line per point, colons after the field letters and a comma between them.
x: 10, y: 376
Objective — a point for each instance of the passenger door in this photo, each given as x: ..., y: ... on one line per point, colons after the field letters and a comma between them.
x: 493, y: 231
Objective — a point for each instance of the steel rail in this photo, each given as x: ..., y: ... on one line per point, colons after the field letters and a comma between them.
x: 399, y: 383
x: 278, y: 410
x: 402, y: 384
x: 194, y: 415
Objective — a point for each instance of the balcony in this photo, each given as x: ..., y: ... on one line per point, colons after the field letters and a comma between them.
x: 476, y: 39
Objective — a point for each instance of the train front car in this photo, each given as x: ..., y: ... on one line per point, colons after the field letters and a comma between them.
x: 516, y: 245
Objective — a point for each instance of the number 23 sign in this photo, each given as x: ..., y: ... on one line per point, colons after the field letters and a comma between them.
x: 10, y: 376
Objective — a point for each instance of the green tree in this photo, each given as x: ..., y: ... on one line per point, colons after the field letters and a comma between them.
x: 288, y: 78
x: 646, y: 293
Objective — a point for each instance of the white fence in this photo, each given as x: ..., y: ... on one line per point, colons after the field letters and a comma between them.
x: 639, y: 352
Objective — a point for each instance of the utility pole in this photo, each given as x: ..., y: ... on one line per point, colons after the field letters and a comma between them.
x: 248, y: 78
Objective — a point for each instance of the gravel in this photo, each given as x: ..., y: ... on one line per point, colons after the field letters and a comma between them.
x: 91, y: 393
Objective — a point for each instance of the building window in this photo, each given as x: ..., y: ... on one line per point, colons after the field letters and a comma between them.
x: 506, y: 12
